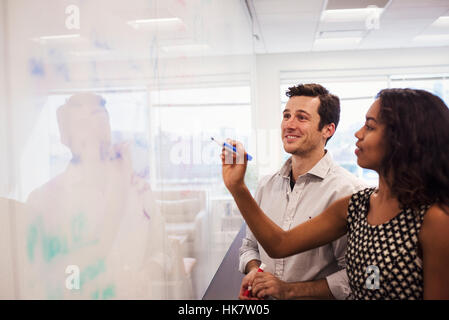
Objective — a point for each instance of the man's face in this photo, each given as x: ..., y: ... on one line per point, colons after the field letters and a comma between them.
x: 86, y: 124
x: 299, y: 126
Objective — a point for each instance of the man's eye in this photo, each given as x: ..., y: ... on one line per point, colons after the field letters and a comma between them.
x: 286, y: 116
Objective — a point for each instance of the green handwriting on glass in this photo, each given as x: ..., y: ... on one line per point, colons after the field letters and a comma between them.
x: 106, y: 293
x: 92, y: 271
x: 54, y: 244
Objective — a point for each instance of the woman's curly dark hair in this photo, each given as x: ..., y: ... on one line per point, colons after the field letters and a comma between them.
x: 416, y: 162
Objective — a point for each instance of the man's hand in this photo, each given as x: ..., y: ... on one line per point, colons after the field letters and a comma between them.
x: 233, y: 165
x: 247, y: 282
x: 266, y: 284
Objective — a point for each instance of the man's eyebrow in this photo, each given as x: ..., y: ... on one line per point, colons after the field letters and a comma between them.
x: 302, y: 111
x: 297, y: 111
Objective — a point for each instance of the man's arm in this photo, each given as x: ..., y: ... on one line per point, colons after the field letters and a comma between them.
x: 316, y: 289
x: 249, y: 251
x: 249, y: 255
x: 252, y: 265
x: 266, y: 284
x: 338, y: 284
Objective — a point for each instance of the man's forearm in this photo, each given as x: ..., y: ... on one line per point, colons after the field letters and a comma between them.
x: 252, y: 264
x: 317, y: 289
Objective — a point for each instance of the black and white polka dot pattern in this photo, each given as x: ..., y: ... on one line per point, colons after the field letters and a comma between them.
x: 392, y: 248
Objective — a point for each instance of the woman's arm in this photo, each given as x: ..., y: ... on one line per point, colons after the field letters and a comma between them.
x: 434, y: 242
x: 328, y: 226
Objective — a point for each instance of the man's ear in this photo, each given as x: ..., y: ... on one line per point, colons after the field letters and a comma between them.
x: 328, y: 130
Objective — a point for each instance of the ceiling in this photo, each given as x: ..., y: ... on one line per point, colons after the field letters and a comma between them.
x: 301, y: 25
x: 109, y: 31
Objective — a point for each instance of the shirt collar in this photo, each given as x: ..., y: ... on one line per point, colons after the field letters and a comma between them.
x: 320, y: 169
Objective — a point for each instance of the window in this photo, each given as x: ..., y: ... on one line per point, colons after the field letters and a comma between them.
x: 183, y: 122
x: 437, y: 84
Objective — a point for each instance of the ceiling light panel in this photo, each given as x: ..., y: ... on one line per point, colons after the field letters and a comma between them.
x: 354, y: 4
x: 349, y: 15
x: 287, y: 6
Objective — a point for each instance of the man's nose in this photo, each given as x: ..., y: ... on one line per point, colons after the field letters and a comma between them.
x: 290, y: 122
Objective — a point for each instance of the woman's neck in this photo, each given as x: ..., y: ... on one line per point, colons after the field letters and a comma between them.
x: 384, y: 196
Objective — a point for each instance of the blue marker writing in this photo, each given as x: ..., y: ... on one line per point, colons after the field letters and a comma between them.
x: 228, y: 146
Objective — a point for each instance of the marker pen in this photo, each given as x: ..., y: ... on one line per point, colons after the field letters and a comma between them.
x: 247, y: 292
x: 229, y: 147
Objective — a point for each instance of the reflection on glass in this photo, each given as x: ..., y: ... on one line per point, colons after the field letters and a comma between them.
x: 97, y: 217
x: 100, y: 115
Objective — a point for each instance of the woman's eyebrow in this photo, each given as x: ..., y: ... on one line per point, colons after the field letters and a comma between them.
x: 371, y: 118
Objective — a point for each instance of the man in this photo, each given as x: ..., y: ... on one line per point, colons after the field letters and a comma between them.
x: 307, y: 183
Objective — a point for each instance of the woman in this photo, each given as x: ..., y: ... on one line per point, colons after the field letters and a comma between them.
x: 398, y: 243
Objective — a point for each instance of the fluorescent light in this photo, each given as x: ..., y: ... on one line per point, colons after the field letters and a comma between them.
x: 58, y: 37
x: 345, y: 15
x: 158, y: 21
x: 89, y: 53
x: 186, y: 48
x: 341, y: 34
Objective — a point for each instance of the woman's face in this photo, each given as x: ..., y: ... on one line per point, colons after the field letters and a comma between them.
x: 371, y: 144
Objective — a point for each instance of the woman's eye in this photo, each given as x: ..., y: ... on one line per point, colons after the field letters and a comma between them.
x: 368, y: 127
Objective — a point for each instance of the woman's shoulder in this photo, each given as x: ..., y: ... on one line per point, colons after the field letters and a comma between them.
x: 358, y: 204
x: 436, y: 223
x: 437, y: 214
x: 362, y: 194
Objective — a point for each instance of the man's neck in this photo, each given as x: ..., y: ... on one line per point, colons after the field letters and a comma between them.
x: 303, y: 163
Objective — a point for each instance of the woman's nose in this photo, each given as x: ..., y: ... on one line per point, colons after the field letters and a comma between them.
x: 358, y: 134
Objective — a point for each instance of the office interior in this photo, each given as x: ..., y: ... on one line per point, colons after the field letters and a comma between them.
x: 171, y: 74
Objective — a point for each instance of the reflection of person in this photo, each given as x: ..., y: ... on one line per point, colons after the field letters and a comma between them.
x: 305, y: 185
x: 97, y: 214
x: 397, y: 233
